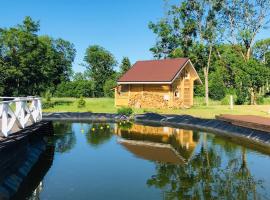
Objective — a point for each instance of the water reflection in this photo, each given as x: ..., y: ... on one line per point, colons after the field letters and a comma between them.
x: 179, y: 142
x: 98, y: 134
x: 207, y: 174
x: 64, y: 139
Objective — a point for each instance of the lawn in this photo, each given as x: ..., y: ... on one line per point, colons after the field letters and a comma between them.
x: 106, y: 105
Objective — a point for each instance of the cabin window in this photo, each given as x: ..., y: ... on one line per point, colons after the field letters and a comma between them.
x: 177, y: 94
x: 186, y: 74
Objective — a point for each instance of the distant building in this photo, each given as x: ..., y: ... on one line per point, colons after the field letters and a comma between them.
x: 158, y: 84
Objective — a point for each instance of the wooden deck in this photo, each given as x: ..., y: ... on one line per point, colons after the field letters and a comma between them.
x: 248, y: 121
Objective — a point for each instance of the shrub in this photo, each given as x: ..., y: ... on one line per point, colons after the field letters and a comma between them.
x: 217, y: 91
x: 108, y: 88
x: 242, y: 96
x: 48, y: 95
x: 226, y: 99
x: 125, y: 111
x: 75, y: 89
x: 81, y: 102
x: 260, y: 100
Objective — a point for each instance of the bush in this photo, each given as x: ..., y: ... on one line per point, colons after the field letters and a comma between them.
x: 108, y: 88
x: 125, y: 111
x: 75, y: 89
x: 48, y: 95
x: 81, y: 103
x: 217, y: 89
x: 260, y: 100
x: 242, y: 96
x: 199, y: 90
x: 226, y: 100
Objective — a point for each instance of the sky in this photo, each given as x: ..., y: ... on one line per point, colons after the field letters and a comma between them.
x: 120, y: 26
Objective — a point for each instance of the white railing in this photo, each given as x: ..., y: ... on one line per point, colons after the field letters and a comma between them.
x: 19, y: 112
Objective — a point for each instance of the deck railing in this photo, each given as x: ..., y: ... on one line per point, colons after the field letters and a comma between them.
x: 18, y: 112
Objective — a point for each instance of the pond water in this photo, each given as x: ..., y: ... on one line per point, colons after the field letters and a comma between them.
x: 131, y: 161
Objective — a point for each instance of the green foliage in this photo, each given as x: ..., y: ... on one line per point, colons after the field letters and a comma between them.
x: 48, y: 96
x: 29, y: 63
x: 260, y: 100
x: 226, y: 99
x: 125, y: 111
x: 100, y: 64
x: 125, y: 65
x: 75, y: 88
x: 108, y: 88
x: 217, y: 90
x: 81, y: 103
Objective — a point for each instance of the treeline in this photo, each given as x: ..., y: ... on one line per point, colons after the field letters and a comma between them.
x: 36, y: 65
x: 99, y: 78
x: 219, y: 38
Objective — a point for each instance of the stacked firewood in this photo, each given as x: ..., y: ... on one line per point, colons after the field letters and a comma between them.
x: 148, y: 100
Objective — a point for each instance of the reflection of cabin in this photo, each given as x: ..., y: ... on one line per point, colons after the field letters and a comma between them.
x: 182, y: 141
x: 157, y: 84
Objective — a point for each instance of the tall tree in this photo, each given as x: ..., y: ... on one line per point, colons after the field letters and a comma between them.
x: 243, y: 20
x: 192, y: 28
x: 100, y: 64
x: 30, y: 64
x: 125, y: 65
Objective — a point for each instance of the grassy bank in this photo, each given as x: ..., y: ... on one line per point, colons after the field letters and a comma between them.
x: 106, y: 105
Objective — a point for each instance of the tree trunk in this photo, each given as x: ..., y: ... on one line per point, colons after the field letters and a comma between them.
x: 252, y: 97
x: 206, y: 88
x: 206, y: 71
x: 248, y: 53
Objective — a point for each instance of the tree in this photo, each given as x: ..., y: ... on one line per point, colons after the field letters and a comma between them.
x: 125, y: 65
x: 242, y: 20
x: 261, y: 49
x: 30, y: 64
x: 100, y: 64
x: 109, y: 86
x: 191, y: 25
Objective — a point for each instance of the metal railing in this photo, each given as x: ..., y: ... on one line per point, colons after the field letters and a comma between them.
x: 19, y: 112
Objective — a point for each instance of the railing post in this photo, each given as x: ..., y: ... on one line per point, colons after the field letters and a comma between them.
x: 5, y: 130
x: 20, y: 112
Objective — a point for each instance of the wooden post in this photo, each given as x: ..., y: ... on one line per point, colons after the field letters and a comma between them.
x: 231, y: 102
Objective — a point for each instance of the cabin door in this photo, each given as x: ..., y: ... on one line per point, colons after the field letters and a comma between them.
x: 187, y: 93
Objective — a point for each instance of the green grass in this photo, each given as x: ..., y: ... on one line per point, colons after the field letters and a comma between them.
x: 106, y: 105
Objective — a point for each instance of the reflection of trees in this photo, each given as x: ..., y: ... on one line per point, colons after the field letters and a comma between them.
x: 99, y: 134
x: 64, y: 138
x: 206, y: 177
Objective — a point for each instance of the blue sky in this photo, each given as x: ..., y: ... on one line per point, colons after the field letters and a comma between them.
x: 120, y: 26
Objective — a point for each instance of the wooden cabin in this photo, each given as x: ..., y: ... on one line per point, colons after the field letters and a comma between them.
x: 165, y: 83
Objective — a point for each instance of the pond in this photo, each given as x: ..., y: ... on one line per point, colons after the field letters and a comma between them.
x: 132, y: 161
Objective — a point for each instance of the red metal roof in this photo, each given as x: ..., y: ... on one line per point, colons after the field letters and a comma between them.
x: 154, y: 70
